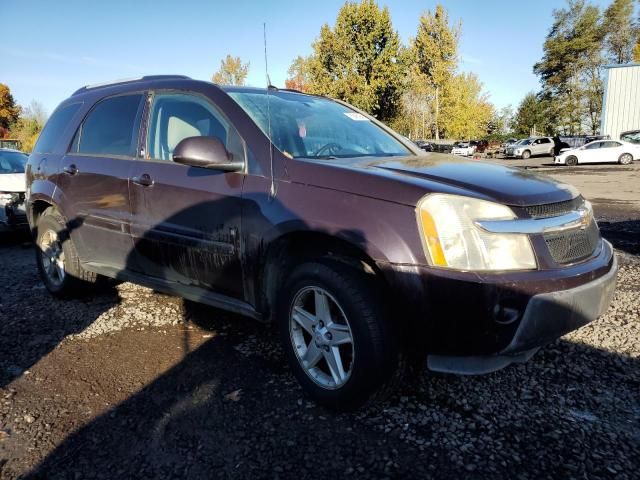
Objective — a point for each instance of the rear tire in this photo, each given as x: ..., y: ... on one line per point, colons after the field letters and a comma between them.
x: 526, y: 155
x: 57, y: 259
x: 625, y: 159
x: 571, y: 161
x: 336, y: 336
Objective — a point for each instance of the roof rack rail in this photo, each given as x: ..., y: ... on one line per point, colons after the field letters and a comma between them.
x: 129, y: 80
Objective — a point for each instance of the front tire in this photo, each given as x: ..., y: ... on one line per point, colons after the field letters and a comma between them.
x: 57, y: 259
x: 571, y: 161
x: 625, y: 159
x: 336, y: 336
x: 526, y: 155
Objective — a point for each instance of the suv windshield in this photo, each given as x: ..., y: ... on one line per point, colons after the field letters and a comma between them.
x: 12, y: 162
x: 305, y: 126
x: 526, y: 141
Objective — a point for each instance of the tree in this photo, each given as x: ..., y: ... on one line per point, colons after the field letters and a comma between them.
x: 466, y: 110
x: 504, y: 120
x: 435, y: 50
x: 358, y: 60
x: 570, y: 70
x: 531, y: 116
x: 9, y: 110
x: 619, y: 31
x: 636, y: 52
x: 28, y: 126
x: 232, y: 71
x: 298, y: 75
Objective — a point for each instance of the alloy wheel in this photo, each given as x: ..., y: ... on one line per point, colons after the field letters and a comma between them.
x: 626, y: 159
x: 52, y: 257
x: 321, y: 337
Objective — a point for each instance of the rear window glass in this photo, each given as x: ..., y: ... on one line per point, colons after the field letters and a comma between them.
x: 111, y: 128
x: 55, y: 128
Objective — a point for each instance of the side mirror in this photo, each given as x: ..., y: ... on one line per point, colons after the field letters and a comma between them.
x: 205, y: 152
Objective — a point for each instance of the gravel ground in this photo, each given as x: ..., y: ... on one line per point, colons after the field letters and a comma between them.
x: 119, y: 386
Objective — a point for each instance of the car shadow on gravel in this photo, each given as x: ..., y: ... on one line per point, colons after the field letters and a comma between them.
x: 33, y: 322
x: 624, y: 235
x: 231, y: 409
x: 222, y: 413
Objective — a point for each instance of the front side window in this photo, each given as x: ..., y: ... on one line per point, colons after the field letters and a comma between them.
x: 55, y: 127
x: 176, y: 116
x: 593, y: 146
x: 305, y: 126
x: 545, y: 140
x: 12, y: 162
x: 111, y: 128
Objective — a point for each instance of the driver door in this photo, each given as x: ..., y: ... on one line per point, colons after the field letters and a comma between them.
x: 186, y: 220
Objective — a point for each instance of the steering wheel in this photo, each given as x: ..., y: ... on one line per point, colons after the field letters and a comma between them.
x: 332, y: 148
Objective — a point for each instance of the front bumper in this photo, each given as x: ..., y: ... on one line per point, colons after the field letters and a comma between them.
x: 472, y: 323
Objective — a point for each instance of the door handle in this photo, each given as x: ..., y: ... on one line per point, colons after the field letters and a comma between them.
x: 70, y: 169
x: 145, y: 180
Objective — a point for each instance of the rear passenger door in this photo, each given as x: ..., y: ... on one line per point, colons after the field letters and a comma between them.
x: 186, y: 220
x: 94, y: 181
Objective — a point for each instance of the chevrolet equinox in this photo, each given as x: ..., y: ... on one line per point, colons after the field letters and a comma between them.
x: 304, y: 211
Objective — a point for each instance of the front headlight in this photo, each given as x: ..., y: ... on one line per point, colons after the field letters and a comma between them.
x: 451, y: 239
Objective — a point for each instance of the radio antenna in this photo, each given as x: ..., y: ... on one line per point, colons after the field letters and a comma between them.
x: 272, y: 192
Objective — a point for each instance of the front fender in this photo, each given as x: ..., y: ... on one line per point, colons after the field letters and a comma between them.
x: 385, y: 231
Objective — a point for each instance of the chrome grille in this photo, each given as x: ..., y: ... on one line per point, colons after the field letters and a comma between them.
x: 555, y: 209
x: 573, y: 245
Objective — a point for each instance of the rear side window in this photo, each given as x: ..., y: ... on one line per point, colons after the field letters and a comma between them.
x: 111, y: 128
x: 55, y: 128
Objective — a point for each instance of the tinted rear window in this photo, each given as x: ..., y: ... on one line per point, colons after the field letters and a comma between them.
x: 55, y: 128
x: 111, y: 128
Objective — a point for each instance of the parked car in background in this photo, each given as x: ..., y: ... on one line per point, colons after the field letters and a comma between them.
x: 507, y: 143
x: 424, y: 145
x: 530, y: 147
x: 10, y: 143
x: 631, y: 136
x: 12, y: 190
x: 313, y: 215
x: 464, y: 149
x: 600, y: 151
x: 479, y: 145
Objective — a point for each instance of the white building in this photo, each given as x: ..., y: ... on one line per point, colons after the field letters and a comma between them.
x: 621, y: 103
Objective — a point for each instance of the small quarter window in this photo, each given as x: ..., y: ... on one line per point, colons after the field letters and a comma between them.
x: 111, y: 128
x: 176, y: 116
x: 55, y: 127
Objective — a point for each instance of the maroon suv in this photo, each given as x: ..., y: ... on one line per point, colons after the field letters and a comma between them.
x: 304, y: 211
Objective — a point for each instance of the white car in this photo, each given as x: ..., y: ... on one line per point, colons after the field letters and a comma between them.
x: 464, y: 149
x: 600, y: 151
x: 12, y: 190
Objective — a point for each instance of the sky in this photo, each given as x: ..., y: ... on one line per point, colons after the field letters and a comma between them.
x: 48, y: 49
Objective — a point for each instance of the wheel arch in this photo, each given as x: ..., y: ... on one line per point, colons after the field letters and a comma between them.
x: 293, y: 248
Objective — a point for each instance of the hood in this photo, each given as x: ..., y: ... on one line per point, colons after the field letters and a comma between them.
x: 12, y: 182
x: 407, y: 179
